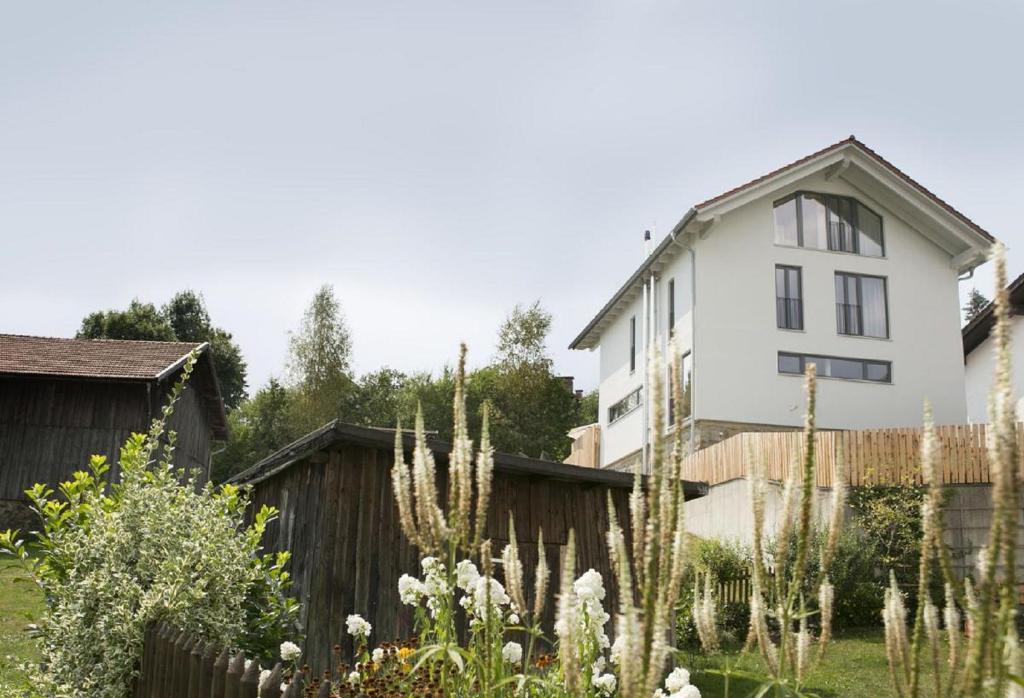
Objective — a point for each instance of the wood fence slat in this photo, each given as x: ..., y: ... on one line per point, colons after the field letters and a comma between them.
x: 233, y: 679
x: 220, y: 670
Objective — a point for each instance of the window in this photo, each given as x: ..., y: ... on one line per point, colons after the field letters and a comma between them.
x: 861, y: 305
x: 828, y: 222
x: 624, y: 406
x: 687, y: 397
x: 671, y: 305
x: 789, y: 307
x: 837, y: 367
x: 632, y: 344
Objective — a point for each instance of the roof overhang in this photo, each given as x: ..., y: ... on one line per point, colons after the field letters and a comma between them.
x: 964, y: 241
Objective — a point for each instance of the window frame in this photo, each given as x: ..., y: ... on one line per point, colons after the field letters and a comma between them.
x: 782, y: 323
x: 803, y: 359
x: 671, y: 305
x: 859, y: 277
x: 798, y: 196
x: 632, y: 344
x: 637, y: 392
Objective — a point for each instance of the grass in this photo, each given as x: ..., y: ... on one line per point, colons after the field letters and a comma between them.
x: 20, y: 604
x: 854, y: 666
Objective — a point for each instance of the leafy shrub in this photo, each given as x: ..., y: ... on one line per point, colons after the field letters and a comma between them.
x: 114, y: 556
x: 724, y: 561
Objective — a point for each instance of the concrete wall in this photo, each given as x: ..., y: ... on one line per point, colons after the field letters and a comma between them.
x: 979, y: 367
x: 725, y: 513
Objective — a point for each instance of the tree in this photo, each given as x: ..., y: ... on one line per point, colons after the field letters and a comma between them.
x: 183, y: 319
x: 378, y: 397
x: 187, y: 315
x: 587, y: 409
x: 259, y: 426
x: 141, y: 321
x: 319, y: 364
x: 976, y: 302
x: 522, y: 338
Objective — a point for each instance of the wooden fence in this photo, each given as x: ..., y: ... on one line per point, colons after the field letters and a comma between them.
x: 871, y: 456
x: 178, y: 665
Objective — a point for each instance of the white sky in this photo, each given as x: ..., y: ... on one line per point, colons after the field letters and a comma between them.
x: 439, y: 162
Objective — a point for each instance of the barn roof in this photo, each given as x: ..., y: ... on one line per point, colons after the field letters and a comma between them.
x: 110, y: 359
x: 338, y: 432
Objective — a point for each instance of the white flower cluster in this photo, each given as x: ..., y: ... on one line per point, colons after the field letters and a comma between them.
x: 589, y: 592
x: 512, y: 652
x: 433, y: 587
x: 677, y: 685
x: 290, y: 652
x: 605, y: 683
x: 358, y: 627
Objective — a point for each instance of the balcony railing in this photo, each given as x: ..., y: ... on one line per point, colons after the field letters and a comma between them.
x: 790, y: 313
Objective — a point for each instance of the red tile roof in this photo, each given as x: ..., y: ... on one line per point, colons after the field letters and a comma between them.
x: 89, y: 358
x: 852, y: 140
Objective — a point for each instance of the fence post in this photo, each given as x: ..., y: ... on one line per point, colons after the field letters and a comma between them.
x: 206, y: 670
x: 249, y: 686
x: 294, y: 689
x: 163, y: 643
x: 325, y: 686
x: 234, y: 676
x: 195, y: 668
x: 220, y: 671
x: 271, y: 688
x: 176, y: 685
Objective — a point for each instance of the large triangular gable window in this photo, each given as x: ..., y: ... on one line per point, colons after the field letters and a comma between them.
x: 828, y: 222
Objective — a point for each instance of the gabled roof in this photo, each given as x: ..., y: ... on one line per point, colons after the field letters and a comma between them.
x: 980, y: 327
x: 339, y: 432
x: 111, y: 360
x: 964, y: 239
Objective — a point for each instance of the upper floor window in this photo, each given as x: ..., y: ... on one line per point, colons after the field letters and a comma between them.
x: 862, y: 306
x: 671, y: 305
x: 789, y: 305
x: 632, y: 344
x: 687, y: 393
x: 828, y: 222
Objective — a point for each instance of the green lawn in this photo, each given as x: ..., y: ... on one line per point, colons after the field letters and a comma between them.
x: 20, y: 602
x: 854, y: 667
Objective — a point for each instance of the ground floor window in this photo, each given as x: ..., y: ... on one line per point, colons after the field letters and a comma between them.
x: 837, y: 367
x: 624, y: 406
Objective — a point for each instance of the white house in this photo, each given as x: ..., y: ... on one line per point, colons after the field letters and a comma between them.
x: 839, y: 259
x: 980, y: 355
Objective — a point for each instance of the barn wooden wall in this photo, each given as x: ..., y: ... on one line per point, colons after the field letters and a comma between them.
x: 339, y: 519
x: 50, y: 427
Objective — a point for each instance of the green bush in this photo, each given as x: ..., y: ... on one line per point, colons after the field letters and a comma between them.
x: 113, y: 557
x: 723, y: 560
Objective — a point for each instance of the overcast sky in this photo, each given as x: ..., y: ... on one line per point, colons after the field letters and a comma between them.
x: 440, y: 162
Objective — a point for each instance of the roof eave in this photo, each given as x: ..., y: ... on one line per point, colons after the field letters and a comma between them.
x: 585, y: 340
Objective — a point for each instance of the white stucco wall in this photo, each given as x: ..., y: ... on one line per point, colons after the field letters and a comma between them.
x: 738, y: 341
x: 979, y: 368
x: 623, y: 437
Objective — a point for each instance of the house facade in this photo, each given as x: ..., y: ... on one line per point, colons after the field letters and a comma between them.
x: 839, y: 259
x: 64, y: 400
x: 980, y: 355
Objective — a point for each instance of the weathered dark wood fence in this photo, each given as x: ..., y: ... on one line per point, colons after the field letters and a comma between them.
x: 176, y: 664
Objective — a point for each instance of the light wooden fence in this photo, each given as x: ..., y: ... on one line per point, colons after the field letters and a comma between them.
x: 178, y: 665
x: 871, y: 456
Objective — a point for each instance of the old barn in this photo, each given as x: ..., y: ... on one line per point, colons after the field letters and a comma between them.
x: 338, y: 517
x: 63, y: 400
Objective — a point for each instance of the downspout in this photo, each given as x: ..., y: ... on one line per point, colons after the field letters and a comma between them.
x: 644, y: 345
